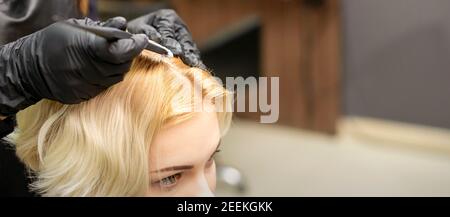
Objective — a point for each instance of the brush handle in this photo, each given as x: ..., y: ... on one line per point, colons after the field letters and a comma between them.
x: 112, y: 34
x: 109, y: 33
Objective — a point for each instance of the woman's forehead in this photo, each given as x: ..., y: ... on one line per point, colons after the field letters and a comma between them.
x: 187, y: 142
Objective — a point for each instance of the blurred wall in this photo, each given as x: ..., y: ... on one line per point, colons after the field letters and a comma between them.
x: 397, y: 60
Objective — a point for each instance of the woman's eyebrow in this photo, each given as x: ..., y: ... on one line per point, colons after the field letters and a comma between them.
x: 184, y: 167
x: 174, y: 168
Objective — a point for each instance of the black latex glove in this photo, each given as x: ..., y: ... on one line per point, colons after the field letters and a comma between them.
x: 166, y: 27
x: 63, y: 63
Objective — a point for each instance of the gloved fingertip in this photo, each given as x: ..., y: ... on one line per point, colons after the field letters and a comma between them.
x: 194, y: 61
x: 85, y: 21
x: 134, y: 46
x: 125, y: 50
x: 172, y: 45
x: 116, y: 22
x: 152, y: 34
x: 141, y: 41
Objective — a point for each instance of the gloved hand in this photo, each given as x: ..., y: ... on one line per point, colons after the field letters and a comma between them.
x: 63, y: 63
x: 166, y: 27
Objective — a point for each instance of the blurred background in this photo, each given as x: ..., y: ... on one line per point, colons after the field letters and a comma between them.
x: 364, y: 92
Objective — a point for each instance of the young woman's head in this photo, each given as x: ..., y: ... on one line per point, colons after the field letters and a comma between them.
x: 154, y: 133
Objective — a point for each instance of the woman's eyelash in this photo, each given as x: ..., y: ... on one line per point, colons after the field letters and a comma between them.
x: 212, y: 156
x: 217, y: 151
x: 168, y: 181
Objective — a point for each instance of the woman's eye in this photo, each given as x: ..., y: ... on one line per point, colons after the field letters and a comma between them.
x: 169, y: 181
x: 211, y: 160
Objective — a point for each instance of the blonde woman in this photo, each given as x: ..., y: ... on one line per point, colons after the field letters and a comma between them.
x: 144, y: 136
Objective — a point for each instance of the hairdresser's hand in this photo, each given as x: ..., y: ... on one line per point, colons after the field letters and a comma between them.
x: 63, y: 63
x: 167, y: 28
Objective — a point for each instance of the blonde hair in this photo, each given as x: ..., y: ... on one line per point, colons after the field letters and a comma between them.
x: 101, y: 147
